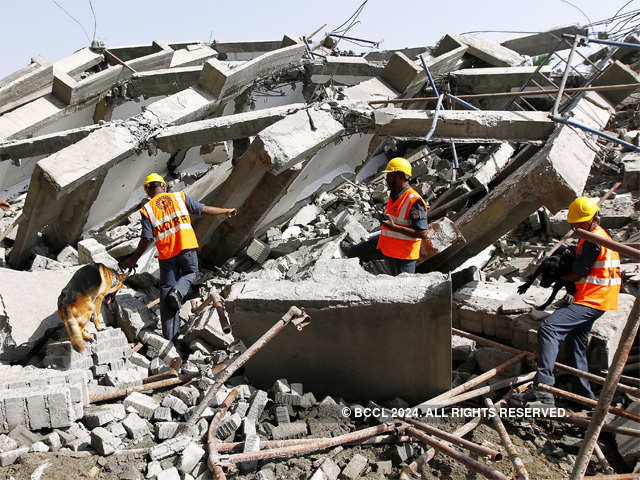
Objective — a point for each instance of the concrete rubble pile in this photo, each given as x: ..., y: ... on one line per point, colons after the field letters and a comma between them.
x: 284, y: 132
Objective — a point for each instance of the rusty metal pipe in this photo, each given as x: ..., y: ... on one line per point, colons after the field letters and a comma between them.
x: 588, y: 402
x: 621, y: 248
x: 521, y: 471
x: 509, y: 382
x: 121, y: 62
x: 472, y: 464
x: 294, y: 315
x: 141, y: 388
x: 603, y: 406
x: 631, y: 367
x: 455, y: 439
x: 317, y: 444
x: 620, y: 476
x: 628, y: 379
x: 377, y: 440
x: 473, y: 382
x: 212, y: 438
x: 315, y: 32
x: 560, y: 366
x: 607, y: 427
x: 604, y: 463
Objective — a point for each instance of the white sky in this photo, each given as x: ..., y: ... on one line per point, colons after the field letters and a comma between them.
x: 39, y: 27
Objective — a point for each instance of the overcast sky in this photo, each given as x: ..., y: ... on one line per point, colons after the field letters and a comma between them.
x: 40, y: 27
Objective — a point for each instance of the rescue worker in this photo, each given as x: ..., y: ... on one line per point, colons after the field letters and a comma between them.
x: 166, y: 220
x: 403, y: 228
x: 596, y: 273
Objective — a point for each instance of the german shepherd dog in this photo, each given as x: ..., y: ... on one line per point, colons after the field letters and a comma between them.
x: 81, y: 300
x: 551, y: 271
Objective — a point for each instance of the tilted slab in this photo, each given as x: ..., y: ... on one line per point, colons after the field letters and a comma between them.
x: 228, y: 127
x: 166, y: 81
x: 345, y: 70
x: 223, y: 81
x: 355, y: 318
x: 553, y: 177
x: 545, y: 42
x: 20, y: 86
x: 44, y: 144
x: 496, y: 79
x: 489, y: 52
x: 501, y: 125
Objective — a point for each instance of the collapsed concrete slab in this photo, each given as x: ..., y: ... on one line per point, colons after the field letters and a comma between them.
x: 479, y: 309
x: 545, y: 42
x: 489, y: 52
x: 228, y: 127
x: 43, y: 144
x: 223, y: 81
x: 356, y: 317
x: 452, y: 124
x: 262, y: 174
x: 244, y: 51
x: 486, y: 171
x: 165, y: 81
x: 618, y: 74
x: 24, y: 83
x: 553, y: 177
x: 344, y: 70
x: 23, y: 324
x: 487, y: 80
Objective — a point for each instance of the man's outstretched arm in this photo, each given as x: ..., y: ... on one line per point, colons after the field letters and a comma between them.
x: 211, y: 211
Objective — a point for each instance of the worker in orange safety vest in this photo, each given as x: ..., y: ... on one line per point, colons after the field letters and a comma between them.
x: 404, y: 226
x: 166, y: 220
x: 596, y: 273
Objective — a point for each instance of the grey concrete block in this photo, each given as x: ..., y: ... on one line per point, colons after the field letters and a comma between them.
x: 7, y: 443
x: 355, y: 467
x: 258, y: 403
x: 99, y: 415
x: 104, y: 441
x: 169, y: 474
x: 162, y: 414
x: 143, y: 404
x: 228, y: 426
x: 9, y: 457
x: 117, y: 429
x: 330, y: 469
x: 135, y: 426
x: 189, y: 395
x: 190, y: 458
x: 175, y: 404
x: 289, y: 430
x: 166, y: 430
x: 170, y: 447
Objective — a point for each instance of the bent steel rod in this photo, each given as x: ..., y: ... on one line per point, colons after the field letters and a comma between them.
x: 295, y: 315
x: 521, y: 471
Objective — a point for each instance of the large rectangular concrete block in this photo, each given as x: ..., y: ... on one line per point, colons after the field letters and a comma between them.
x: 25, y: 83
x: 223, y: 81
x: 618, y: 74
x: 545, y: 42
x: 490, y: 52
x: 355, y: 317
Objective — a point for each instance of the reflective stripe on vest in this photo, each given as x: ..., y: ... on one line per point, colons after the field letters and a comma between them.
x: 171, y: 224
x: 395, y: 244
x: 599, y: 289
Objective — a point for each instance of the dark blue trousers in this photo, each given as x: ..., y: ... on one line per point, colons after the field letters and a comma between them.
x: 573, y: 324
x: 367, y: 251
x: 176, y: 272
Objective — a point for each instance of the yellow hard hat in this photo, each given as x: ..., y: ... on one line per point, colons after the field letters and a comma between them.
x: 398, y: 164
x: 582, y: 209
x: 154, y: 177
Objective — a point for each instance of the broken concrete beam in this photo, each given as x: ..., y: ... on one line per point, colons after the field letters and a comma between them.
x: 227, y: 127
x: 553, y: 177
x: 545, y: 42
x: 186, y: 57
x: 352, y: 309
x: 184, y: 106
x: 451, y: 124
x: 223, y: 81
x: 490, y: 52
x: 24, y: 324
x: 27, y: 83
x: 489, y: 169
x: 44, y: 144
x: 243, y: 51
x: 72, y: 92
x: 631, y: 164
x: 78, y: 62
x: 489, y: 80
x: 344, y: 70
x: 400, y: 72
x: 618, y: 74
x: 44, y: 112
x: 262, y: 175
x: 162, y: 82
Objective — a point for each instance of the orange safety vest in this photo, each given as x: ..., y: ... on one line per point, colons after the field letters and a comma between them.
x: 396, y: 244
x: 600, y: 288
x: 171, y: 223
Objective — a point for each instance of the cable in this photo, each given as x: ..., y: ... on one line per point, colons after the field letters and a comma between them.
x: 95, y: 21
x: 498, y: 31
x: 622, y: 8
x: 73, y: 18
x: 577, y: 8
x: 354, y: 14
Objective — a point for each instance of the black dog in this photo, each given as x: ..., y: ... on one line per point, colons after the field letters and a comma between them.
x: 551, y: 271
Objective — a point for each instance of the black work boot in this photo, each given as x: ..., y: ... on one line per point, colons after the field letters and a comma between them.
x: 174, y: 300
x: 534, y: 395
